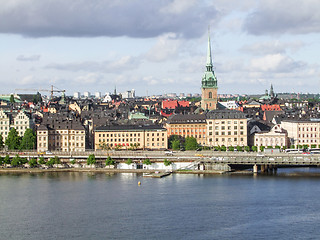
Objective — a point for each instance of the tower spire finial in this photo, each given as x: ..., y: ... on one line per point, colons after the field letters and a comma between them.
x: 209, y: 58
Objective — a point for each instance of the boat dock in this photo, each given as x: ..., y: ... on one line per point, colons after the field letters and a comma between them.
x: 157, y: 174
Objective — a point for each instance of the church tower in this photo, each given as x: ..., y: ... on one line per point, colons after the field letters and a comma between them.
x: 209, y: 85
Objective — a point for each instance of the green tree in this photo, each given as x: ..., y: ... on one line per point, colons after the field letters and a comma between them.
x: 174, y: 140
x: 56, y: 160
x: 313, y: 145
x: 262, y: 148
x: 175, y: 145
x: 223, y: 148
x: 13, y: 139
x: 109, y: 161
x: 16, y: 161
x: 191, y: 143
x: 41, y: 160
x: 247, y: 148
x: 1, y: 161
x: 166, y: 162
x: 7, y: 159
x: 29, y: 140
x: 129, y: 161
x: 73, y: 161
x: 1, y: 141
x: 239, y: 149
x: 33, y: 162
x: 147, y: 161
x: 50, y: 162
x: 217, y: 148
x: 254, y: 148
x: 12, y: 98
x: 231, y: 149
x: 91, y: 159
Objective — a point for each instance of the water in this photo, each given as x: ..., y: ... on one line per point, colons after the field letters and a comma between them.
x: 113, y: 206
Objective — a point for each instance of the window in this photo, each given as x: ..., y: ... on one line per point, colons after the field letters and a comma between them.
x: 210, y: 94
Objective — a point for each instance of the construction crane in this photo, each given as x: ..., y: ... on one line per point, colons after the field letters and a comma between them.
x: 52, y: 90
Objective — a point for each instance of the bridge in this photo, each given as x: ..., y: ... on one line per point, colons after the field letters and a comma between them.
x: 202, y: 160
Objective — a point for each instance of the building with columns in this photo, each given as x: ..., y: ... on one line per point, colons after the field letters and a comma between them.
x: 209, y: 86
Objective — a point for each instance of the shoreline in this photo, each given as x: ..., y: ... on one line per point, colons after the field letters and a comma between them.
x: 101, y: 170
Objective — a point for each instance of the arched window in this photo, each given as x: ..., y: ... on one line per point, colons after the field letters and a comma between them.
x: 210, y: 94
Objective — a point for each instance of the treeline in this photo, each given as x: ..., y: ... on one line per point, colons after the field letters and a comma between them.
x: 15, y: 142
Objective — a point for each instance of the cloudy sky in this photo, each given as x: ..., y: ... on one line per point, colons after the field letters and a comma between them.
x: 158, y: 47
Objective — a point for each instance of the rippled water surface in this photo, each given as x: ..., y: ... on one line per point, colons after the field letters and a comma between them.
x: 181, y: 206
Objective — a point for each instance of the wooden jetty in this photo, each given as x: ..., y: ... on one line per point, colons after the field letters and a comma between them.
x: 157, y: 174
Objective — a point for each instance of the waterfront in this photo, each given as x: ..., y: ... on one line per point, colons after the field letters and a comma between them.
x: 79, y: 205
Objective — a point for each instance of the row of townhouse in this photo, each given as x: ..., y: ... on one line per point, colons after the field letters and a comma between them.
x: 19, y: 120
x: 216, y: 128
x: 125, y: 136
x: 65, y: 135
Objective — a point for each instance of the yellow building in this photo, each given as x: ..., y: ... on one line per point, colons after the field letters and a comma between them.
x: 226, y: 127
x: 189, y: 125
x: 125, y: 136
x: 61, y: 135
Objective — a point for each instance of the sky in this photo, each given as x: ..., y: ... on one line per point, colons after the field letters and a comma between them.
x: 159, y: 47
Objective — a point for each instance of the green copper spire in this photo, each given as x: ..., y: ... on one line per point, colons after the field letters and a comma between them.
x: 209, y: 79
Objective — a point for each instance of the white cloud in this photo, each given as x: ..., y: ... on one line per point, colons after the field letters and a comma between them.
x: 166, y: 47
x: 286, y: 16
x: 82, y: 18
x: 274, y: 63
x: 28, y: 58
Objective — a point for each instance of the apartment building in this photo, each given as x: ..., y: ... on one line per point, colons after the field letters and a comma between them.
x: 189, y: 125
x: 124, y: 136
x: 277, y: 136
x: 302, y: 132
x: 18, y: 120
x: 55, y: 134
x: 226, y: 127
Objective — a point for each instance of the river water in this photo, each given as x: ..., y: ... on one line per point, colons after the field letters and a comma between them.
x: 180, y: 206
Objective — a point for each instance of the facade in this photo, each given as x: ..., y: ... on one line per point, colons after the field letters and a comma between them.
x: 209, y: 86
x: 276, y: 137
x: 226, y: 127
x: 190, y: 125
x: 18, y: 120
x: 124, y: 136
x: 302, y: 132
x: 61, y: 135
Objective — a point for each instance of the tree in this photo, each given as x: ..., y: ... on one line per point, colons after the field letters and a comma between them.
x: 56, y: 160
x: 175, y: 145
x: 166, y: 162
x: 16, y: 161
x: 33, y: 162
x: 247, y: 148
x: 109, y: 161
x: 223, y: 148
x: 129, y: 161
x: 231, y: 149
x: 147, y: 161
x: 1, y: 141
x: 12, y: 98
x: 29, y: 140
x: 41, y: 160
x: 174, y: 142
x: 73, y: 161
x: 7, y: 159
x: 13, y: 139
x: 254, y: 148
x: 191, y: 143
x: 1, y: 161
x: 50, y: 162
x: 239, y: 149
x: 91, y: 159
x: 262, y: 148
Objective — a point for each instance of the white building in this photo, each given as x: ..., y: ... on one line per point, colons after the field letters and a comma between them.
x: 76, y: 95
x: 129, y: 94
x: 86, y: 94
x: 97, y: 94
